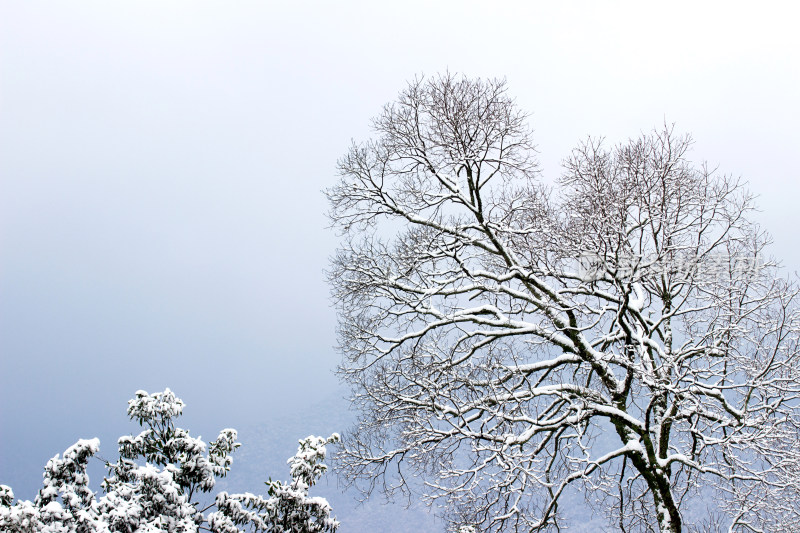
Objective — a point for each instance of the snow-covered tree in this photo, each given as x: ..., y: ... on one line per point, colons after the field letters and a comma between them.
x: 621, y: 333
x: 288, y: 509
x: 154, y: 485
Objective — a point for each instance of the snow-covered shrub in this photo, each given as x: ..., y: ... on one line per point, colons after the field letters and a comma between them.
x: 289, y: 508
x: 154, y: 484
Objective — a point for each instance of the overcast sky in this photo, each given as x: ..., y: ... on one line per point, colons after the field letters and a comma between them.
x: 161, y: 162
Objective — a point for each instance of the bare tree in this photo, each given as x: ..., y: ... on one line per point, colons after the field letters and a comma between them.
x: 620, y: 333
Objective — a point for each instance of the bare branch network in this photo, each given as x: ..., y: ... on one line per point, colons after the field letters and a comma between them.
x: 487, y: 360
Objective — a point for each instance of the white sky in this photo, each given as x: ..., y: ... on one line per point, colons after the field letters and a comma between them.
x: 161, y: 222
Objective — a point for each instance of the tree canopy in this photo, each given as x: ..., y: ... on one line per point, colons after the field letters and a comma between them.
x: 621, y: 333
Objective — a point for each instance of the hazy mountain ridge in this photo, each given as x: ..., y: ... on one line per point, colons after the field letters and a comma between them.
x: 267, y: 446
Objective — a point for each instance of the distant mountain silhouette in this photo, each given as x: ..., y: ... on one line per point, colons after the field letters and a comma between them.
x: 267, y: 446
